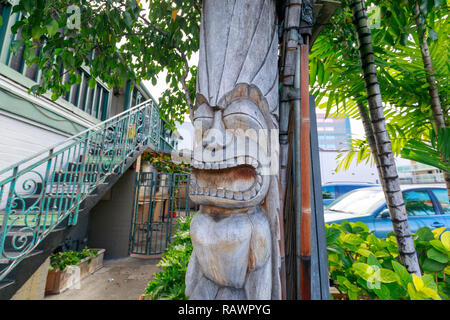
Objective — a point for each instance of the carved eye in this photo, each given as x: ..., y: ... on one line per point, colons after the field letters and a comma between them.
x: 243, y: 114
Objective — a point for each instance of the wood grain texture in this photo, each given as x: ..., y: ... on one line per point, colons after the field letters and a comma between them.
x: 236, y: 233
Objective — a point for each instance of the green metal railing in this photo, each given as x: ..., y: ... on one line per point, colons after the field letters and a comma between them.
x: 39, y: 193
x: 160, y: 199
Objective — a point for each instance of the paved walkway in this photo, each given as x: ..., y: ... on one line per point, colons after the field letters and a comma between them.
x: 119, y: 279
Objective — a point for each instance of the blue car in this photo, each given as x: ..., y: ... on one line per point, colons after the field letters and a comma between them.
x: 332, y: 191
x: 426, y: 206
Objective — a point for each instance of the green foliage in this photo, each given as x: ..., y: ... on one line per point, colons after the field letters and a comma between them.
x: 335, y: 71
x: 164, y: 163
x: 366, y: 267
x: 117, y: 40
x: 168, y: 284
x: 61, y: 260
x: 433, y: 154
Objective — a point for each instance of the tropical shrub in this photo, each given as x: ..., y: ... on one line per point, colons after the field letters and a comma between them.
x: 168, y: 284
x: 61, y: 260
x: 164, y: 163
x: 363, y: 266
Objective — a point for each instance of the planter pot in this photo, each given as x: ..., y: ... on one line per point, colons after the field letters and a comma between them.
x: 59, y: 281
x: 337, y: 295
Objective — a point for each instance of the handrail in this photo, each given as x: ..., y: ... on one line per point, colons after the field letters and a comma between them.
x: 43, y: 190
x: 74, y: 137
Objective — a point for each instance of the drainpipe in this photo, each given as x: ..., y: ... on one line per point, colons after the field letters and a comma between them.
x: 302, y: 157
x: 297, y: 168
x: 292, y: 13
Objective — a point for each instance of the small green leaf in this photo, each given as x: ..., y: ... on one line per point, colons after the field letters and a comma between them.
x: 383, y: 292
x: 37, y: 32
x: 127, y: 19
x: 363, y: 270
x: 364, y: 252
x: 332, y: 235
x: 435, y: 255
x: 432, y: 265
x: 92, y: 83
x: 402, y: 273
x: 424, y: 234
x: 445, y: 238
x: 431, y: 293
x: 52, y: 28
x: 388, y: 276
x: 373, y: 261
x: 428, y: 281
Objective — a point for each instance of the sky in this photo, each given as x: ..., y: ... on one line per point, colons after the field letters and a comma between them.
x: 186, y: 129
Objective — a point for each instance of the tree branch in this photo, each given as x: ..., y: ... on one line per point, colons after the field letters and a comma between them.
x: 187, y: 92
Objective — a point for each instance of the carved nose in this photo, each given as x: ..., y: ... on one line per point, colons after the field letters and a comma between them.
x: 215, y: 138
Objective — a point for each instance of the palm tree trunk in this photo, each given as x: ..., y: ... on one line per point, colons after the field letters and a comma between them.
x: 368, y: 132
x: 388, y: 170
x: 436, y: 108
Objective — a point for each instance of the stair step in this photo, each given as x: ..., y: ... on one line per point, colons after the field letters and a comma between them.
x: 26, y: 236
x: 6, y: 283
x: 6, y: 261
x: 50, y: 218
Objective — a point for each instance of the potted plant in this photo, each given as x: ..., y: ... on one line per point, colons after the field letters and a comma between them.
x: 70, y: 267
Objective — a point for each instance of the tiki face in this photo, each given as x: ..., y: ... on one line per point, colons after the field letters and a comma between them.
x: 231, y: 150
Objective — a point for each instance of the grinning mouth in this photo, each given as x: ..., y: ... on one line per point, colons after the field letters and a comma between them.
x: 234, y: 181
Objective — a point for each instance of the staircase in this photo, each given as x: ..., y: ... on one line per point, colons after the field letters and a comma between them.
x: 42, y: 197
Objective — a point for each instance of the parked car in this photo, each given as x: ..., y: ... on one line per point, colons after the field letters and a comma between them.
x: 332, y: 191
x: 426, y: 206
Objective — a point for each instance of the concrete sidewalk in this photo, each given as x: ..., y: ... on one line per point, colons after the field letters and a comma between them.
x: 119, y: 279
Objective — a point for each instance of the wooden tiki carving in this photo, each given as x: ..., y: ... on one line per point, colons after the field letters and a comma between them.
x: 235, y: 234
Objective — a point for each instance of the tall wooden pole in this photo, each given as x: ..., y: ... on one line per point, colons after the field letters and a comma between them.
x: 305, y: 156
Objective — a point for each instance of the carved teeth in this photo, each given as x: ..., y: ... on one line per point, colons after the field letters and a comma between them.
x: 229, y: 194
x: 238, y: 195
x: 231, y: 162
x: 240, y: 160
x: 226, y: 194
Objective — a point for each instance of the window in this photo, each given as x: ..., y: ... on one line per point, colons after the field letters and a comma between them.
x: 345, y: 189
x: 94, y: 102
x: 442, y: 197
x: 359, y: 202
x: 328, y: 192
x: 418, y: 203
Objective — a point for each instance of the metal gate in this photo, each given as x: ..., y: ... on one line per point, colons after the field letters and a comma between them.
x: 159, y: 200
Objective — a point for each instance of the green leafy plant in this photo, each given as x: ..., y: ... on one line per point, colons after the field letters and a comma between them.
x: 362, y: 266
x: 437, y: 154
x: 168, y: 284
x: 61, y: 260
x: 164, y: 163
